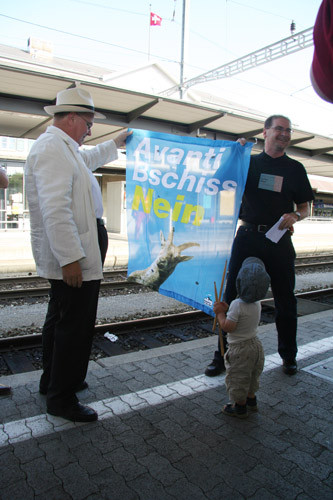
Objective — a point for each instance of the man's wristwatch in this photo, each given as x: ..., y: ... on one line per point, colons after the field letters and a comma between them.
x: 298, y: 215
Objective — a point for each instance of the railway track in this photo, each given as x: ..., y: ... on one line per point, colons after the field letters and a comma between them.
x: 32, y: 286
x: 43, y: 291
x: 22, y: 353
x: 115, y: 274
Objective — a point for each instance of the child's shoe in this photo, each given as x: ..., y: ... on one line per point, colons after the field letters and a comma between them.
x: 251, y: 404
x: 235, y: 410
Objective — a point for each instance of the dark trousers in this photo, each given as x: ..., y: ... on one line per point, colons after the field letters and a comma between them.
x: 67, y: 335
x: 67, y: 338
x: 279, y: 260
x: 103, y: 241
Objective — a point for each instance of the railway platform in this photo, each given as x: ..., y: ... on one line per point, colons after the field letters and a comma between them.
x: 310, y: 237
x: 161, y: 434
x: 16, y: 254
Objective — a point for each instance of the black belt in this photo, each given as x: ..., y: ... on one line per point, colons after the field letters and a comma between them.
x: 100, y: 222
x: 260, y: 228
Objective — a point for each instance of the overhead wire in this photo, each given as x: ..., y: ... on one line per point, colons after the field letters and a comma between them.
x: 94, y: 4
x: 83, y: 37
x: 259, y: 10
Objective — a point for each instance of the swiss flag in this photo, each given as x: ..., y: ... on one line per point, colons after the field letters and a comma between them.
x: 155, y: 20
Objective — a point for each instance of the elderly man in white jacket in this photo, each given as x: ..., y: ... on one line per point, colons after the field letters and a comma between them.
x: 65, y: 243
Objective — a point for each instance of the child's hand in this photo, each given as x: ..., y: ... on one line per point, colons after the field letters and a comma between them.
x: 220, y: 307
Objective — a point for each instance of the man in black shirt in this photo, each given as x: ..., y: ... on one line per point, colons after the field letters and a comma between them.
x: 276, y: 184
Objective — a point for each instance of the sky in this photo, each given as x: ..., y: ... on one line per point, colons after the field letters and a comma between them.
x: 116, y: 35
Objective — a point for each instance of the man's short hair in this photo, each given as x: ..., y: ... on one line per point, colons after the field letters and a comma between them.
x: 269, y: 121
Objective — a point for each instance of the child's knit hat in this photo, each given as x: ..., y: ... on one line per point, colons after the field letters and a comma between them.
x: 252, y: 281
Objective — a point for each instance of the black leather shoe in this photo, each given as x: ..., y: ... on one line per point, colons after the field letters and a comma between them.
x: 215, y: 368
x: 289, y: 366
x: 5, y: 390
x: 75, y: 413
x: 81, y: 387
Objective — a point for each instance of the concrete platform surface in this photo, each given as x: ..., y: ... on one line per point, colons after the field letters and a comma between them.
x: 161, y: 434
x: 16, y: 254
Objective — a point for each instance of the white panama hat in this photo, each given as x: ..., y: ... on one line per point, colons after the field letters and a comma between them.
x: 75, y: 100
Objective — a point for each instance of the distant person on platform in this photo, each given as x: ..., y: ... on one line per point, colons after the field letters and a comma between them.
x: 244, y: 359
x: 4, y: 389
x: 65, y: 235
x: 3, y: 179
x: 322, y: 63
x: 277, y: 188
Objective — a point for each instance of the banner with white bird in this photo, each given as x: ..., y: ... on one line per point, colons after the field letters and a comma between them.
x: 183, y: 197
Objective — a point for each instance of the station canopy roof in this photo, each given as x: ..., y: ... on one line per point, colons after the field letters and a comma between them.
x: 28, y: 84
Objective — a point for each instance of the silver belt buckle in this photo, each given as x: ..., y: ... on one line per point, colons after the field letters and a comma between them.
x: 262, y: 228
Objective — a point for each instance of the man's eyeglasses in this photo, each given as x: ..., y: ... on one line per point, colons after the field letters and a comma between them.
x: 281, y: 129
x: 88, y: 123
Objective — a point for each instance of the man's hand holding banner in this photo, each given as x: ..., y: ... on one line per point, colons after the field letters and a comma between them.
x: 183, y: 196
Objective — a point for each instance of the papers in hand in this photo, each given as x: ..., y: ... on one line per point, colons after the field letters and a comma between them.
x: 275, y: 234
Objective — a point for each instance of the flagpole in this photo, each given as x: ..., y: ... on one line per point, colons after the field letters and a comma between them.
x: 186, y: 8
x: 149, y: 32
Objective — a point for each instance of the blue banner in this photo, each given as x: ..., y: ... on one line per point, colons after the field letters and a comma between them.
x: 183, y: 196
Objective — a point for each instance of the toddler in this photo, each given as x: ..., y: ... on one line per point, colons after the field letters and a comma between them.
x: 244, y: 359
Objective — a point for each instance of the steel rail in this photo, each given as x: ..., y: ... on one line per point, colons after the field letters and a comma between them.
x: 35, y: 277
x: 42, y: 291
x: 123, y: 327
